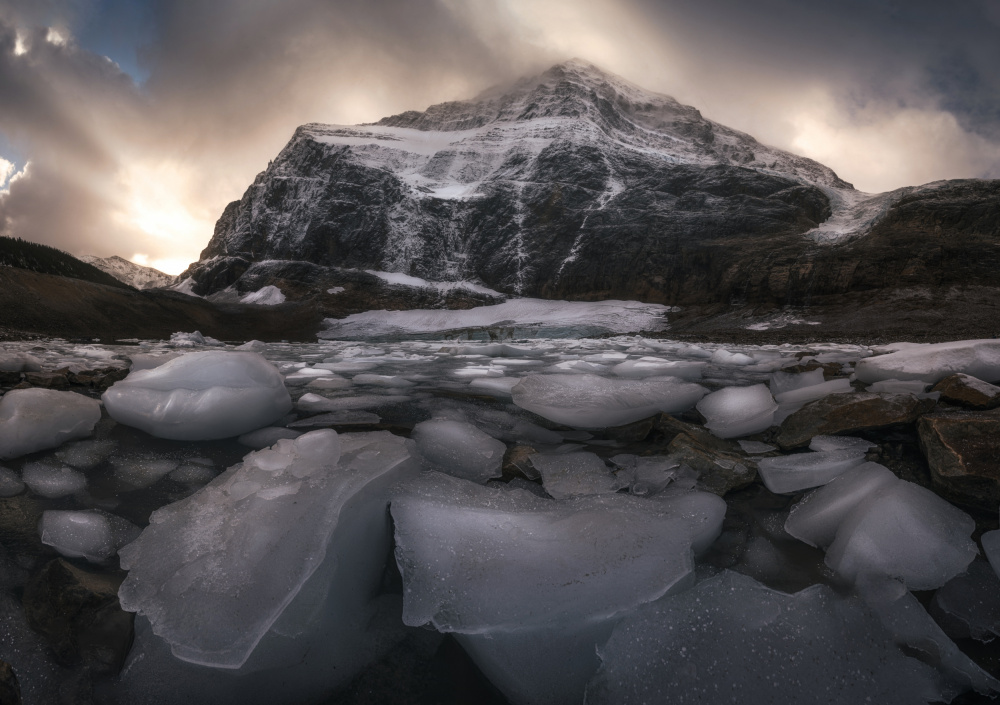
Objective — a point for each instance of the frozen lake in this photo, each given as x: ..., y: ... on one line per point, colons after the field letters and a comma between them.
x: 616, y: 518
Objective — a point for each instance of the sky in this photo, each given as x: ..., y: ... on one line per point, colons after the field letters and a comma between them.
x: 126, y: 126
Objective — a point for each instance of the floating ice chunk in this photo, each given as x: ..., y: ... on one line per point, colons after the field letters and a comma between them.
x: 478, y: 371
x: 654, y: 367
x: 192, y: 340
x: 459, y: 449
x: 991, y: 547
x: 37, y: 419
x: 569, y: 475
x: 732, y: 639
x: 578, y: 366
x: 19, y: 362
x: 911, y: 626
x: 86, y: 455
x: 382, y: 380
x: 267, y: 436
x: 201, y: 396
x: 500, y: 386
x: 828, y: 443
x: 252, y: 346
x: 932, y: 363
x: 305, y: 375
x: 336, y: 418
x: 333, y: 382
x: 790, y: 473
x: 529, y: 585
x: 269, y: 295
x: 140, y: 472
x: 906, y: 532
x: 783, y: 382
x: 754, y: 447
x: 694, y: 351
x: 10, y: 483
x: 738, y: 411
x: 589, y: 401
x: 52, y: 481
x: 90, y: 534
x: 724, y: 357
x: 580, y: 552
x: 970, y: 602
x: 215, y: 571
x: 93, y: 353
x: 192, y: 473
x: 347, y: 367
x: 813, y: 392
x: 817, y: 517
x: 313, y: 403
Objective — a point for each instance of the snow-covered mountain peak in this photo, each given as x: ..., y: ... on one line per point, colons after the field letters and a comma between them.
x: 129, y: 272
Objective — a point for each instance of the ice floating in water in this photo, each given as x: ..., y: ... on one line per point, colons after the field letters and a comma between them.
x: 535, y: 317
x: 37, y: 419
x: 252, y: 346
x: 306, y: 375
x: 201, y: 396
x: 52, y: 480
x: 873, y: 523
x: 971, y: 603
x: 724, y: 357
x: 790, y: 473
x: 528, y: 585
x: 459, y: 449
x: 738, y: 411
x: 828, y: 443
x: 313, y: 403
x: 382, y: 380
x: 932, y: 363
x: 19, y: 362
x: 90, y: 534
x: 213, y: 572
x: 589, y: 401
x: 655, y: 367
x: 86, y: 455
x: 803, y: 395
x: 567, y: 475
x: 732, y: 639
x: 139, y: 472
x: 500, y: 386
x: 10, y: 483
x: 266, y: 437
x: 193, y: 340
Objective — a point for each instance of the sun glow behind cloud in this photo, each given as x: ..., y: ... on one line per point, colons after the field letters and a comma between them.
x: 158, y: 203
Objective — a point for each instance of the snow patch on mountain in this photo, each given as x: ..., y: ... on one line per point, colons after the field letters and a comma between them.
x: 129, y: 272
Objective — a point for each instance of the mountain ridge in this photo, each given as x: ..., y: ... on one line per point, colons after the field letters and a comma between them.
x: 571, y: 184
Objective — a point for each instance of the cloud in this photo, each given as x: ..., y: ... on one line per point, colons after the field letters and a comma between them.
x: 888, y: 94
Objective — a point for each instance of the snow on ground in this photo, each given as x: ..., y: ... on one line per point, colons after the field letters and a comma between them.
x: 400, y: 279
x: 267, y: 296
x: 544, y: 318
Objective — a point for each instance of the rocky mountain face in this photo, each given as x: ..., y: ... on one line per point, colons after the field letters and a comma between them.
x: 130, y: 273
x: 577, y: 184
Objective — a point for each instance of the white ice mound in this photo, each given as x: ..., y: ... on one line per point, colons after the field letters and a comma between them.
x: 590, y: 401
x: 657, y: 367
x: 932, y: 363
x: 738, y: 411
x: 459, y: 449
x: 790, y: 473
x: 90, y: 534
x: 36, y: 419
x: 566, y: 475
x: 201, y: 396
x: 193, y: 340
x: 52, y: 480
x: 731, y: 639
x: 874, y: 524
x: 213, y: 572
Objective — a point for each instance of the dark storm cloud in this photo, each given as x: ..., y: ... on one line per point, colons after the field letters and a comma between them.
x: 888, y: 93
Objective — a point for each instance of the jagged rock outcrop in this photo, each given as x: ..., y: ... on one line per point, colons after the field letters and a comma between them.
x: 135, y: 275
x: 577, y: 184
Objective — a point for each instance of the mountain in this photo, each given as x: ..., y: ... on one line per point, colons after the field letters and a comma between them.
x: 133, y: 274
x: 578, y: 184
x: 31, y: 256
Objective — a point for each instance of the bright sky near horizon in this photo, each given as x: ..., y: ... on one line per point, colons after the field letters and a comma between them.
x: 127, y: 125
